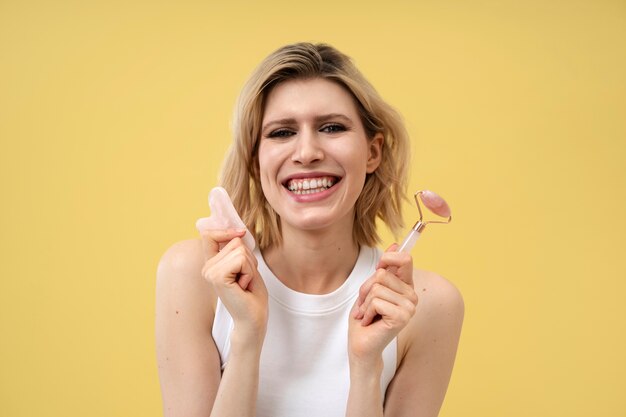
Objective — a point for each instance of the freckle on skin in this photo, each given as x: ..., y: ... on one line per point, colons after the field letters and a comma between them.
x: 423, y: 289
x: 176, y: 311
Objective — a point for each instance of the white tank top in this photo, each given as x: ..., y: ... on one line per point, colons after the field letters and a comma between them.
x: 304, y: 368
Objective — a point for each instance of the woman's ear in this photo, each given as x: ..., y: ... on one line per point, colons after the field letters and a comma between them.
x: 375, y: 152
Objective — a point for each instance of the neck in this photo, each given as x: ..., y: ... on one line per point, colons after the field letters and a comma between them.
x: 313, y: 262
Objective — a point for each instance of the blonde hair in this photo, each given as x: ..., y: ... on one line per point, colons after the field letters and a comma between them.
x: 384, y: 189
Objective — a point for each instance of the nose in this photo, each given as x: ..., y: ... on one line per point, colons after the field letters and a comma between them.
x: 307, y: 148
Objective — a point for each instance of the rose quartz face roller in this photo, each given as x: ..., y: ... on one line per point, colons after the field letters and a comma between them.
x: 436, y: 205
x: 224, y: 216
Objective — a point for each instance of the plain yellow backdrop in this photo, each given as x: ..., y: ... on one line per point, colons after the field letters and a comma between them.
x: 114, y: 118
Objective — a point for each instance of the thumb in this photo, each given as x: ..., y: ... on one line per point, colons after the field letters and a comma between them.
x: 212, y: 239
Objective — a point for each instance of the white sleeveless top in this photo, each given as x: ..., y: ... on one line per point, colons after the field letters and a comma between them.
x: 304, y: 368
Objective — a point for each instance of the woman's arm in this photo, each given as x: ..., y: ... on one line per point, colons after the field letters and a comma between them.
x: 188, y: 360
x: 385, y: 306
x: 431, y: 339
x: 233, y: 274
x: 428, y: 336
x: 189, y: 363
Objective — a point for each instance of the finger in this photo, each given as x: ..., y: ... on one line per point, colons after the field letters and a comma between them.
x: 398, y: 263
x: 256, y: 284
x: 379, y: 307
x: 392, y: 248
x: 405, y: 301
x: 227, y: 264
x: 231, y: 246
x: 249, y: 271
x: 243, y: 264
x: 386, y: 278
x: 397, y: 259
x: 375, y: 291
x: 212, y: 238
x: 364, y: 290
x: 244, y: 281
x: 394, y: 311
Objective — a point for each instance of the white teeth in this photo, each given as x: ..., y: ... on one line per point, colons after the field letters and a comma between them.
x: 309, y: 185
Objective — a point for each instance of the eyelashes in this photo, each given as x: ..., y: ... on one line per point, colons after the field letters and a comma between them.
x: 333, y: 128
x: 281, y: 133
x: 330, y: 128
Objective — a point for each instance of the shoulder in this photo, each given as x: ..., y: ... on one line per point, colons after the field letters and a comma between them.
x: 188, y: 361
x: 427, y: 348
x: 440, y: 309
x: 182, y: 256
x: 436, y: 294
x: 179, y: 274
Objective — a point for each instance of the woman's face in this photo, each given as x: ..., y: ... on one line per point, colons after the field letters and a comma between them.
x: 314, y: 154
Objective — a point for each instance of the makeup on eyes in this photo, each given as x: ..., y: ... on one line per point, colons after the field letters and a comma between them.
x: 331, y: 119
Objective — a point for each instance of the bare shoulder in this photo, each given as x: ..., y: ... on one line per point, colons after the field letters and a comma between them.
x: 440, y: 309
x: 436, y: 293
x: 182, y: 256
x: 427, y: 348
x: 188, y: 361
x: 179, y: 274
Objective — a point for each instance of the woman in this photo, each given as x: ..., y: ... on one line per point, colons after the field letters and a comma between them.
x: 315, y: 321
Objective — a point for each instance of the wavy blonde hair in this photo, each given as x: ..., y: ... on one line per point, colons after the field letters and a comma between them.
x: 384, y: 189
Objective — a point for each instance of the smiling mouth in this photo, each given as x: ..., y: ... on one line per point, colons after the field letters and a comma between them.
x: 310, y: 185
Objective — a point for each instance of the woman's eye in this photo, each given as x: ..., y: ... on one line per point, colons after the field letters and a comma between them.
x: 280, y: 133
x: 333, y: 128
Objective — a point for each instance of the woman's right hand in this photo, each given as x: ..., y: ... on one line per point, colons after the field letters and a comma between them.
x: 232, y: 271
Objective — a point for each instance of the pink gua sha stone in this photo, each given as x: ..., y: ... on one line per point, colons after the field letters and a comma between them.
x: 224, y: 216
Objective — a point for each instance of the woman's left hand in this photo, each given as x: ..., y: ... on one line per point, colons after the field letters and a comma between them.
x: 385, y: 305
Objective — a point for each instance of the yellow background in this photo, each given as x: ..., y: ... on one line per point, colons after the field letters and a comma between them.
x: 114, y: 118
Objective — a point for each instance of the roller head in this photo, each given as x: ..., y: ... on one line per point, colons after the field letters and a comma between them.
x: 435, y: 203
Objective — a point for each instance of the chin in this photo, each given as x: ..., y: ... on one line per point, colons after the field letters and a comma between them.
x: 315, y: 219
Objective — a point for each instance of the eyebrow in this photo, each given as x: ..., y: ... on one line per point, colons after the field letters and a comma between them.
x: 317, y: 119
